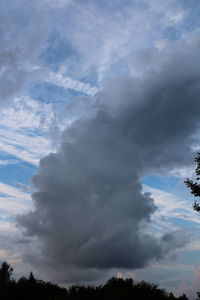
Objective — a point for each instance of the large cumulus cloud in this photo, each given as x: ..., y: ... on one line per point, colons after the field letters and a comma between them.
x: 90, y: 211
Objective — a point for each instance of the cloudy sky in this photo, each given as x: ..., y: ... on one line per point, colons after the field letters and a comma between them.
x: 99, y: 128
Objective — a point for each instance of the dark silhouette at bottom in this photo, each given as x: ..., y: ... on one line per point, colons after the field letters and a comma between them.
x: 116, y: 289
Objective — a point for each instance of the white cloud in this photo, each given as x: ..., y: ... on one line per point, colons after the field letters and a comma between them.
x: 26, y: 113
x: 171, y: 207
x: 104, y: 38
x: 69, y: 83
x: 6, y: 162
x: 9, y: 190
x: 24, y: 129
x: 12, y: 206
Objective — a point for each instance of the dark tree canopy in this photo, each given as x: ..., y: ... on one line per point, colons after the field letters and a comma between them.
x: 32, y: 288
x: 194, y: 186
x: 5, y: 273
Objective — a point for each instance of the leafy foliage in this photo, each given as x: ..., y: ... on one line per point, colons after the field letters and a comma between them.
x: 195, y: 186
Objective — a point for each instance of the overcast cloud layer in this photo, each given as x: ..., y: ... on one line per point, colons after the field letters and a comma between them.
x: 90, y: 212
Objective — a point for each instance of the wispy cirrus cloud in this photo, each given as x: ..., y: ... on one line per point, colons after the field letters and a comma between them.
x: 6, y: 162
x: 24, y: 129
x: 70, y: 83
x: 11, y: 191
x: 171, y: 208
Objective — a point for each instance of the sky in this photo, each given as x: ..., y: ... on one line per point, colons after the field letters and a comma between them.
x: 99, y: 128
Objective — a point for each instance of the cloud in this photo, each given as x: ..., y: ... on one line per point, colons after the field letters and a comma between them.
x: 90, y: 212
x: 12, y: 202
x: 57, y: 3
x: 70, y: 83
x: 21, y: 42
x: 9, y: 190
x: 5, y: 162
x: 24, y: 129
x: 96, y: 43
x: 171, y: 207
x: 118, y: 31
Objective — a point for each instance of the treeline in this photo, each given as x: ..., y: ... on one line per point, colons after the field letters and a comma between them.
x: 116, y: 288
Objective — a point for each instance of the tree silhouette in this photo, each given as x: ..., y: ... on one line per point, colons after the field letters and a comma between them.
x: 31, y: 278
x: 195, y: 186
x: 32, y: 288
x: 5, y: 273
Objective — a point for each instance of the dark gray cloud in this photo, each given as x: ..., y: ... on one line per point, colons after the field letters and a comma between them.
x: 90, y: 212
